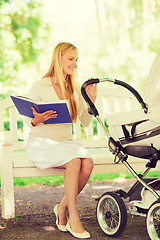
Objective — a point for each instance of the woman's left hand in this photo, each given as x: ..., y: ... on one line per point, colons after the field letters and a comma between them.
x: 91, y: 90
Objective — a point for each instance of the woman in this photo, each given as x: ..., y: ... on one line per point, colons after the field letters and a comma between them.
x: 51, y: 145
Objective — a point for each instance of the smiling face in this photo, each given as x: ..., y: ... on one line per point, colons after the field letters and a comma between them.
x: 69, y: 62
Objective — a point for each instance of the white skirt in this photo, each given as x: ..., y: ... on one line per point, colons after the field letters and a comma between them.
x: 47, y: 153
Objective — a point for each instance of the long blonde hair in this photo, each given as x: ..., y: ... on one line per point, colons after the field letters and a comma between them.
x: 56, y: 70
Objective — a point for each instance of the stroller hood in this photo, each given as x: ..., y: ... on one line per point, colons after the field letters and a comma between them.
x: 151, y: 93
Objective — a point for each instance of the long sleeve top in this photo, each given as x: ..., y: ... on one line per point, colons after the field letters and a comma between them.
x: 43, y: 91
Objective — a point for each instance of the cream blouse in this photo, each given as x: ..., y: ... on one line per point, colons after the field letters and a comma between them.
x: 43, y: 91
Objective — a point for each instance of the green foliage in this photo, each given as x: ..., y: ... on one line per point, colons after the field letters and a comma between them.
x: 58, y: 180
x: 6, y: 126
x: 23, y: 33
x: 128, y: 39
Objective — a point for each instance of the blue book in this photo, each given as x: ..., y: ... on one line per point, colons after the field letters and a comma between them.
x: 24, y: 104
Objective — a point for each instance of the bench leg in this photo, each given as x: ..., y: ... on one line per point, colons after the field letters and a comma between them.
x: 7, y: 183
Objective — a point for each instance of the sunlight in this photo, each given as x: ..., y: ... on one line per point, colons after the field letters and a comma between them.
x: 0, y: 87
x: 115, y: 39
x: 49, y: 228
x: 72, y: 21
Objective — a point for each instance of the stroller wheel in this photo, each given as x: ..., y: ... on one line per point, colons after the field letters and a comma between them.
x: 153, y: 221
x: 111, y: 214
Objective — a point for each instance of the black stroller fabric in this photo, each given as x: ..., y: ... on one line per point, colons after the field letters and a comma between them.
x: 137, y: 194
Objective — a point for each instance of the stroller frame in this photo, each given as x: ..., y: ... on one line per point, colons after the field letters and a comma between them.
x: 121, y: 155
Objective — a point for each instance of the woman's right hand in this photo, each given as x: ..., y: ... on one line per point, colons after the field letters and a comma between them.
x: 41, y: 117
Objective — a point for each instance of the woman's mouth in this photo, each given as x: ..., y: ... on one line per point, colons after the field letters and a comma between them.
x: 72, y: 68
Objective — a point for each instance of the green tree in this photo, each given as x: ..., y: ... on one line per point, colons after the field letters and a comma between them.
x: 129, y: 39
x: 22, y: 38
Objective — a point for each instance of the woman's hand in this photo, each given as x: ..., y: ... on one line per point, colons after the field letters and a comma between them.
x: 91, y: 90
x: 41, y: 117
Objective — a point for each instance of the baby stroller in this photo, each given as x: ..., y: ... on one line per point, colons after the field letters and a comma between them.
x: 123, y: 140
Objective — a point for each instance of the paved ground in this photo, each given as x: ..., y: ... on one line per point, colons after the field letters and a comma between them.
x: 35, y: 219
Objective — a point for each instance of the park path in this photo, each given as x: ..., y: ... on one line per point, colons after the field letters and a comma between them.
x: 35, y: 218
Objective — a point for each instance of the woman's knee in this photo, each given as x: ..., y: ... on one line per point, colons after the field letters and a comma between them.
x: 87, y: 165
x: 74, y: 164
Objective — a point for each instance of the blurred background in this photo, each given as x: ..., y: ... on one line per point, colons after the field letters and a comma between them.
x: 117, y: 39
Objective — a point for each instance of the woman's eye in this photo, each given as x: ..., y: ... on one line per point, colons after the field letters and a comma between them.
x: 71, y: 59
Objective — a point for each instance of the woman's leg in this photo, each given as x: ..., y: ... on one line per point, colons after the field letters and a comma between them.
x: 84, y: 168
x: 71, y: 182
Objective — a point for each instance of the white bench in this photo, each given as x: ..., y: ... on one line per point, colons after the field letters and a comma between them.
x: 14, y: 162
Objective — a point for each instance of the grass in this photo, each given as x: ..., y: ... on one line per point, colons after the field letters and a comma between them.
x: 113, y: 176
x: 50, y: 180
x: 58, y: 180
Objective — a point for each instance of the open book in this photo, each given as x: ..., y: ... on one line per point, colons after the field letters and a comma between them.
x: 24, y: 104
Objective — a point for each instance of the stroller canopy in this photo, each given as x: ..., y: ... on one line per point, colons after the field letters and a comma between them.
x: 152, y: 87
x: 147, y: 125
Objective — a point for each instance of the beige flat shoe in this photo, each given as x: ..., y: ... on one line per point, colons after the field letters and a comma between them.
x: 83, y: 235
x: 60, y: 227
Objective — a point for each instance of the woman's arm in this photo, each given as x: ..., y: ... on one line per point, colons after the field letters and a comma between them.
x: 92, y: 92
x: 41, y: 117
x: 84, y: 117
x: 38, y: 117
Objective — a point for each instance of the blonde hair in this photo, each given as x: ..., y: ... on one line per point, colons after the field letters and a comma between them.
x: 56, y: 70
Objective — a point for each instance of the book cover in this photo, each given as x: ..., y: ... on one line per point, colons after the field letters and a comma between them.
x: 24, y: 104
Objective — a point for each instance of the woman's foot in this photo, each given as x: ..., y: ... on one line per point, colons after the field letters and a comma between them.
x: 81, y: 235
x: 62, y: 213
x: 76, y: 226
x: 61, y: 218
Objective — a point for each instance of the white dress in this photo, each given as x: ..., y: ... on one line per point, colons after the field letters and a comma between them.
x: 51, y: 145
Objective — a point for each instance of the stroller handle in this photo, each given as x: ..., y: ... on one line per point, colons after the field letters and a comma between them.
x: 92, y: 110
x: 132, y: 90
